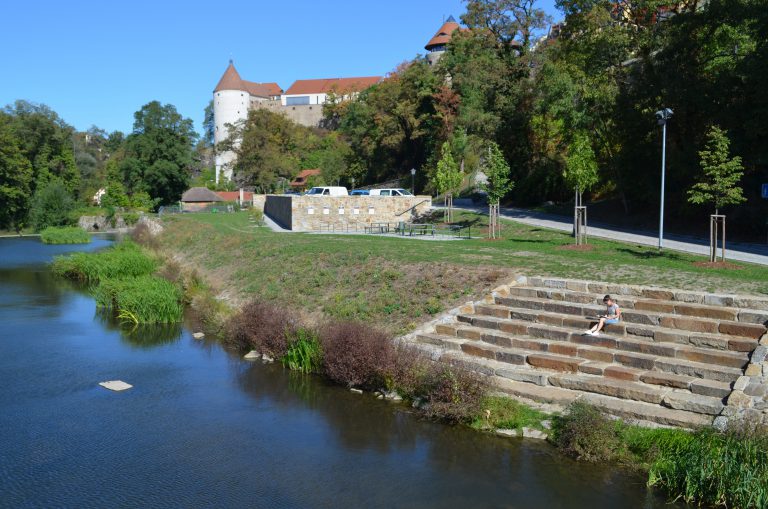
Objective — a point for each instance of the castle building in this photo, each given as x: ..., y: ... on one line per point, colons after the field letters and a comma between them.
x: 436, y: 45
x: 303, y: 103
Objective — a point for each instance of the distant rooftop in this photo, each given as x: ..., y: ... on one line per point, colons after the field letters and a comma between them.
x: 231, y: 80
x: 337, y: 85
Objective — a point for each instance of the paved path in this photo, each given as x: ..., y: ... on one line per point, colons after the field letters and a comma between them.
x: 743, y: 252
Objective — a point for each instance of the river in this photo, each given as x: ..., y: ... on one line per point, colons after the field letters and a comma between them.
x: 203, y: 428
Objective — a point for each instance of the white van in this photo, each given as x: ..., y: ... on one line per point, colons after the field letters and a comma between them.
x: 390, y: 192
x: 327, y: 191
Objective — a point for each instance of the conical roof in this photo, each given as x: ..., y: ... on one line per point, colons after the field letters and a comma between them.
x: 443, y: 35
x: 230, y: 80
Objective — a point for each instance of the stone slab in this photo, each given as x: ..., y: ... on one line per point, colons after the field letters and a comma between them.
x: 116, y: 385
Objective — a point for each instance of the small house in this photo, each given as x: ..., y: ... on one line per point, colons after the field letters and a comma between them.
x: 197, y: 199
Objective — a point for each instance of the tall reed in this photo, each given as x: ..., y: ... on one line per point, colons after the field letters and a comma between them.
x: 304, y: 353
x: 125, y: 259
x: 143, y: 299
x: 64, y: 235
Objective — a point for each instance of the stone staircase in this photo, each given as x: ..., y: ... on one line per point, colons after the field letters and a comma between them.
x: 673, y: 360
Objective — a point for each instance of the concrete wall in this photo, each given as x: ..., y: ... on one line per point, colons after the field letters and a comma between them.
x: 321, y: 213
x: 258, y: 201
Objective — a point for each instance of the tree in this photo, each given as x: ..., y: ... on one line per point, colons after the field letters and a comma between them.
x: 159, y: 152
x: 51, y: 205
x: 448, y: 178
x: 718, y: 184
x: 496, y: 186
x: 15, y: 180
x: 512, y: 22
x: 580, y: 174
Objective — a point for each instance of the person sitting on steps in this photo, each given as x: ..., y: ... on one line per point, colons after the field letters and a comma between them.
x: 612, y: 315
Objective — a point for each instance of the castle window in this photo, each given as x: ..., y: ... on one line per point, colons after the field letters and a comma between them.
x: 293, y: 101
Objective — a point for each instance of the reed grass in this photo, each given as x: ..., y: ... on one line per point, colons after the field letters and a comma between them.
x: 141, y: 300
x: 125, y: 259
x: 304, y: 353
x: 64, y: 235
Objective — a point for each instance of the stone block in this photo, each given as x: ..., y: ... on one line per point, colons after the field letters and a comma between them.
x: 553, y: 362
x: 665, y: 336
x: 465, y: 317
x: 577, y: 286
x: 706, y: 312
x: 555, y: 320
x: 615, y: 388
x: 602, y: 340
x: 595, y: 354
x: 597, y: 288
x: 496, y: 339
x: 693, y: 403
x: 738, y: 399
x: 478, y: 351
x: 757, y: 317
x: 716, y: 342
x: 548, y: 333
x: 720, y: 423
x: 568, y: 349
x: 741, y: 383
x: 690, y: 324
x: 635, y: 330
x: 447, y: 329
x: 615, y: 328
x: 523, y: 375
x: 756, y: 388
x: 467, y: 308
x: 502, y: 290
x: 636, y: 317
x: 469, y: 333
x: 530, y: 344
x: 534, y: 434
x: 575, y: 322
x: 696, y: 370
x: 514, y: 327
x: 592, y: 368
x: 656, y: 306
x: 647, y: 347
x: 634, y: 360
x: 492, y: 310
x: 554, y: 283
x: 751, y: 303
x: 754, y: 370
x: 510, y: 357
x: 718, y: 300
x: 689, y: 297
x: 666, y: 379
x: 710, y: 388
x: 719, y: 357
x: 654, y: 293
x: 566, y: 309
x: 485, y: 322
x: 747, y: 330
x: 622, y: 373
x: 759, y: 355
x: 528, y: 316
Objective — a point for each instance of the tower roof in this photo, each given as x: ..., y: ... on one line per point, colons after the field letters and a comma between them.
x: 230, y: 80
x: 443, y: 35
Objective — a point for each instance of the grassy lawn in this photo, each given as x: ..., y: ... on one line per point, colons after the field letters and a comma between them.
x: 399, y: 282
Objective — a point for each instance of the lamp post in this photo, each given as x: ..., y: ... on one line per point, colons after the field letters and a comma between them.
x: 413, y: 180
x: 662, y: 116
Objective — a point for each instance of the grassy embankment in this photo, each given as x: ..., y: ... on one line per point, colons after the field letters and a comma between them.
x: 64, y: 235
x: 394, y: 283
x: 397, y: 283
x: 122, y: 280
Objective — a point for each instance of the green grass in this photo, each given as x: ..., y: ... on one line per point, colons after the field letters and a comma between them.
x: 141, y: 300
x: 125, y: 259
x: 397, y: 283
x: 64, y: 235
x: 304, y: 353
x: 505, y: 413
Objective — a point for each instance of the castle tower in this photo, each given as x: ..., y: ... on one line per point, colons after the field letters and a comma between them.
x: 230, y: 105
x: 436, y: 45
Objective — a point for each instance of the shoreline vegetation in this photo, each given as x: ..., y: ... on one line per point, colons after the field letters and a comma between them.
x: 706, y: 467
x: 64, y: 235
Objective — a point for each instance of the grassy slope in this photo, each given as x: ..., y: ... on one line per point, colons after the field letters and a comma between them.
x: 400, y: 282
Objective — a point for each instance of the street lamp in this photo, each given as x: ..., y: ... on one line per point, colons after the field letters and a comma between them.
x: 662, y: 116
x: 413, y: 180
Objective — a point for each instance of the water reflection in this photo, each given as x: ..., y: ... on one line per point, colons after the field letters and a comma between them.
x: 140, y: 335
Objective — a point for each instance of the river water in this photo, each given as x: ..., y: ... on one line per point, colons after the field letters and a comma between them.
x: 203, y: 428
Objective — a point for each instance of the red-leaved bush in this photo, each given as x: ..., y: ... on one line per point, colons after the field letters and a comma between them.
x: 264, y: 327
x: 357, y: 355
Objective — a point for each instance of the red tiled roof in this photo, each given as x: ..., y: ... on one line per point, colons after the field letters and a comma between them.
x: 443, y: 35
x: 231, y: 80
x: 303, y: 175
x: 338, y: 85
x: 262, y: 89
x: 235, y: 195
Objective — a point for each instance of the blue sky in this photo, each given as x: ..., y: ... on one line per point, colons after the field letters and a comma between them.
x: 96, y: 62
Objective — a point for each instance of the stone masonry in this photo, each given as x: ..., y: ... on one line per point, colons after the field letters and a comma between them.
x: 343, y: 213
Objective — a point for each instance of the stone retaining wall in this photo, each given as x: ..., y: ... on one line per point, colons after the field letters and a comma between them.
x: 341, y: 213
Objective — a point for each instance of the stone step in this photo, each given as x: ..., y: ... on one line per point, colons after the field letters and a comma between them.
x: 650, y: 292
x: 503, y: 306
x: 753, y: 316
x: 528, y: 335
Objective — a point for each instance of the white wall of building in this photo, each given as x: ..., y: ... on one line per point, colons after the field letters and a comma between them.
x: 229, y: 107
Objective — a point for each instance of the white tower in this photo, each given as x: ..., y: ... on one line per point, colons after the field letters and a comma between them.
x: 230, y: 105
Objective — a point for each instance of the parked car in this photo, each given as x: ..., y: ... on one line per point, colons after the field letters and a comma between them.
x: 359, y: 192
x: 327, y: 191
x: 390, y: 192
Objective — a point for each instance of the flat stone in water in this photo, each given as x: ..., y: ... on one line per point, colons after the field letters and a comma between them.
x: 116, y: 385
x: 198, y: 335
x: 252, y: 355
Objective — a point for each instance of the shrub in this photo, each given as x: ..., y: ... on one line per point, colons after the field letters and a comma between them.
x: 263, y: 326
x: 142, y: 299
x: 141, y: 234
x: 357, y: 355
x: 452, y: 394
x: 51, y: 206
x: 585, y: 433
x: 507, y: 413
x: 130, y: 218
x: 65, y: 235
x: 125, y: 259
x: 303, y: 352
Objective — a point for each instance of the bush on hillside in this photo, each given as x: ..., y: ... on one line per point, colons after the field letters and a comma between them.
x: 51, y: 206
x: 452, y: 394
x: 357, y: 355
x: 585, y: 433
x: 264, y: 327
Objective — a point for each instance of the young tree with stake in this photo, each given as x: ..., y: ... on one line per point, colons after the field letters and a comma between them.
x: 497, y: 185
x: 580, y: 174
x: 448, y: 178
